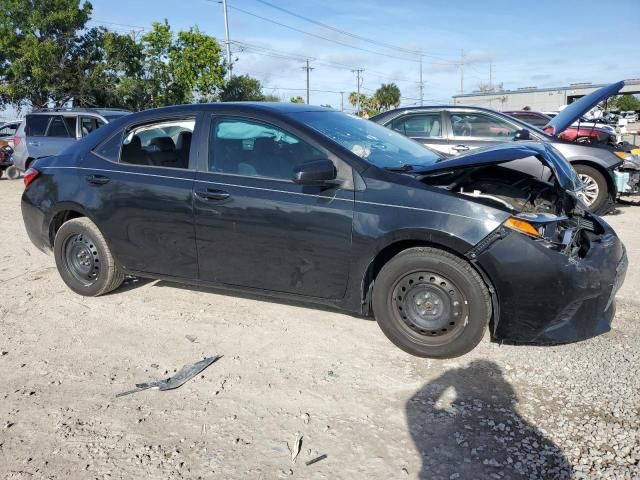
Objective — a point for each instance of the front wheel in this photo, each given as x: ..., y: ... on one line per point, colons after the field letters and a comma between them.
x: 596, y: 190
x: 431, y: 303
x: 84, y: 260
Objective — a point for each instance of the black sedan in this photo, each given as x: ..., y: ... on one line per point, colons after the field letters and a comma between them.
x: 311, y: 204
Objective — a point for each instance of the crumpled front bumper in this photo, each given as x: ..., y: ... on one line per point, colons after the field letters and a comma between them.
x: 545, y: 296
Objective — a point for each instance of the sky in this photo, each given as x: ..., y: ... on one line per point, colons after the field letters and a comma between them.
x: 544, y: 43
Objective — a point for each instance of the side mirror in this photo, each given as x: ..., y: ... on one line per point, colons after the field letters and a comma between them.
x: 522, y: 134
x: 315, y: 172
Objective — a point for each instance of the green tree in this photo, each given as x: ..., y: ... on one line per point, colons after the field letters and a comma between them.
x: 387, y: 96
x: 296, y: 99
x: 627, y: 102
x: 242, y: 88
x: 271, y: 98
x: 40, y: 49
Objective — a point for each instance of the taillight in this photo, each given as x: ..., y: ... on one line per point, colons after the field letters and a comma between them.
x: 16, y: 140
x: 29, y: 176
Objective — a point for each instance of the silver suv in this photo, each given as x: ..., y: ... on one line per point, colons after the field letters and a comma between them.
x: 48, y: 132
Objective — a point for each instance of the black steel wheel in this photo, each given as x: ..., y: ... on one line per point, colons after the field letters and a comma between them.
x: 431, y: 303
x: 84, y: 260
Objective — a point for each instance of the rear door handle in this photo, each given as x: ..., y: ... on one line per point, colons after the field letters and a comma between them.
x: 34, y: 144
x: 212, y: 194
x: 460, y: 148
x: 97, y: 179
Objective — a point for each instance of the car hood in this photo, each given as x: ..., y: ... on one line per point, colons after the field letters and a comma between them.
x: 565, y: 175
x: 574, y: 111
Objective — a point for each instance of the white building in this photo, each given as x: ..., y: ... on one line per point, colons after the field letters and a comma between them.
x: 538, y: 99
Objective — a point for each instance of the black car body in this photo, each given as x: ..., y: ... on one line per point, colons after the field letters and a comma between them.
x: 306, y: 203
x: 454, y: 129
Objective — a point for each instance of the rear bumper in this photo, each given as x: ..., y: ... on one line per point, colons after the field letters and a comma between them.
x: 36, y: 224
x: 546, y: 297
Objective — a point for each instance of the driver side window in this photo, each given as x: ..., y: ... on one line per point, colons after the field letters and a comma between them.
x: 256, y: 149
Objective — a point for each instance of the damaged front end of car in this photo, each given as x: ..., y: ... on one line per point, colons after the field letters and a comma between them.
x: 554, y: 268
x: 627, y: 175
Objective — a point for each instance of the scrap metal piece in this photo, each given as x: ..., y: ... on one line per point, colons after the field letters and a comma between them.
x: 185, y: 374
x: 316, y: 460
x: 295, y: 448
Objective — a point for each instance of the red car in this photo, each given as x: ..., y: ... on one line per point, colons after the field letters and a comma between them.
x: 580, y: 134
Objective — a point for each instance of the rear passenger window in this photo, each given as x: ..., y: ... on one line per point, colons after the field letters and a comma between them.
x: 62, y: 127
x: 36, y: 125
x: 165, y: 143
x: 111, y: 148
x: 89, y: 124
x: 255, y: 149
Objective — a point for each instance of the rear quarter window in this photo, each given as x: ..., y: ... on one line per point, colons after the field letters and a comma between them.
x: 36, y: 125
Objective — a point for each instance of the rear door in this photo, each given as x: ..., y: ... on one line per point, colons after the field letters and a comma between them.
x: 140, y: 192
x: 424, y: 127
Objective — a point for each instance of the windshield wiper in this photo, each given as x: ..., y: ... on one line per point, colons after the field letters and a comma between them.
x: 401, y: 168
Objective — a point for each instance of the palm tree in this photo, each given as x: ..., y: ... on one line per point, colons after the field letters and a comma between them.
x: 387, y: 96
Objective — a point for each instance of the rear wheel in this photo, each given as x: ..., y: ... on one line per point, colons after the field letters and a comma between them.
x: 596, y: 190
x: 431, y: 303
x: 84, y: 260
x: 13, y: 173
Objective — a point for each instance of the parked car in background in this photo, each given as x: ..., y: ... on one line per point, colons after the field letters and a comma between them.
x: 307, y: 203
x: 580, y: 132
x: 8, y: 131
x: 629, y: 116
x: 48, y: 132
x: 453, y: 129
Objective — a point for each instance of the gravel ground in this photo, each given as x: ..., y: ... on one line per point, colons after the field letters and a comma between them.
x: 288, y: 372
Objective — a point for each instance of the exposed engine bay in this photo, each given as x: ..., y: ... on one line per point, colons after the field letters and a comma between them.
x: 557, y: 215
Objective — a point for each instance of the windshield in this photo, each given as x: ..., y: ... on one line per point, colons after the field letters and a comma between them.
x: 374, y: 143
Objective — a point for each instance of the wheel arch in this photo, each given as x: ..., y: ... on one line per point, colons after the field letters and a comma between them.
x: 611, y: 185
x: 394, y: 248
x: 64, y: 212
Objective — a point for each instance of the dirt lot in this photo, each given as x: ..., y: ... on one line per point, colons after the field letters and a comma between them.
x: 334, y: 379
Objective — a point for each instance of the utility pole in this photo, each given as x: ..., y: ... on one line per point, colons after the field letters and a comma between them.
x: 461, y: 72
x: 358, y: 71
x: 421, y: 84
x: 491, y: 76
x: 342, y: 101
x: 308, y: 69
x: 226, y: 39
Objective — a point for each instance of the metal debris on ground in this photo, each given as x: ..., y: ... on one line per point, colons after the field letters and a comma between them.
x: 185, y: 374
x: 295, y: 448
x: 316, y: 460
x: 191, y: 338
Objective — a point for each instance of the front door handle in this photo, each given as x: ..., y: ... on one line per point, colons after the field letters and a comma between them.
x: 212, y: 194
x: 97, y: 179
x: 460, y: 148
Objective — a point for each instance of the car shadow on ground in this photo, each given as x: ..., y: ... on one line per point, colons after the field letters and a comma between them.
x: 465, y: 425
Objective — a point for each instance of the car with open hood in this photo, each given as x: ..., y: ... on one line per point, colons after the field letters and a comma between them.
x: 305, y: 203
x: 453, y: 129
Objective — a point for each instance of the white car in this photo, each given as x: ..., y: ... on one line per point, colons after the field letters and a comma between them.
x: 630, y: 116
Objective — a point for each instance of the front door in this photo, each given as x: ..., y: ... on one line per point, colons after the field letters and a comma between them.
x: 426, y: 128
x: 255, y: 227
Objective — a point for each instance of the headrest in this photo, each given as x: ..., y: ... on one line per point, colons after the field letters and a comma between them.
x: 164, y: 144
x: 135, y: 143
x: 184, y: 140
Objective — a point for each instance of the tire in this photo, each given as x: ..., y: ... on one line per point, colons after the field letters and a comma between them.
x: 596, y: 194
x: 13, y: 173
x: 84, y: 259
x: 431, y: 303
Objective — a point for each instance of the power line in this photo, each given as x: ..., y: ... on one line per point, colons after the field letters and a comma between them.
x: 318, y: 36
